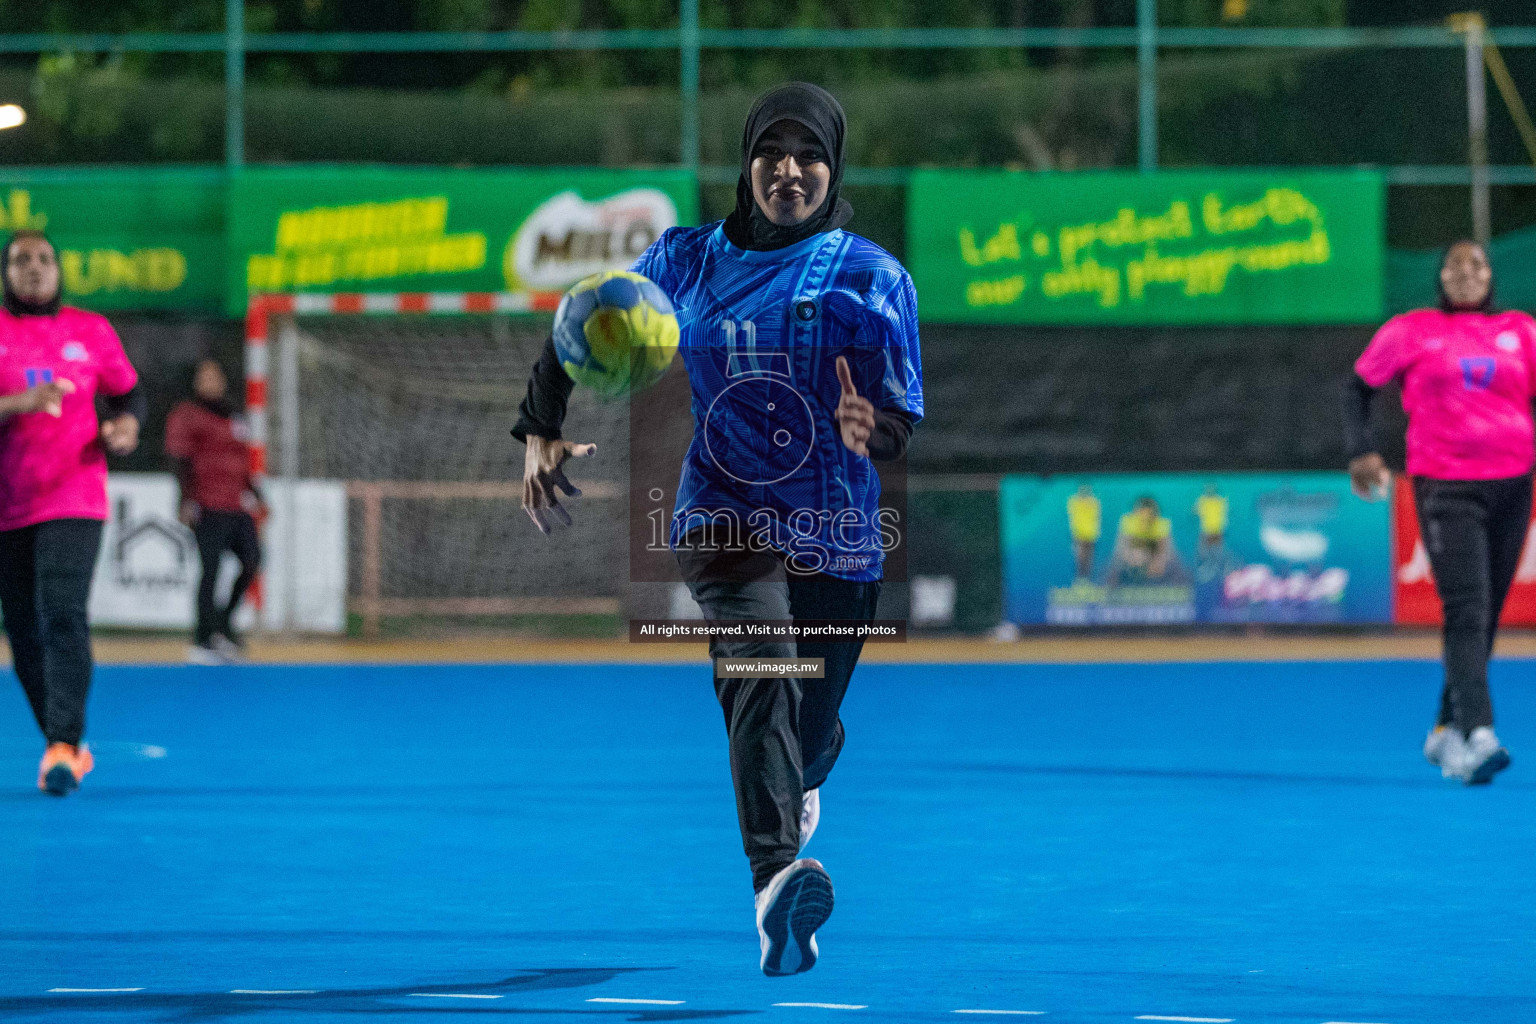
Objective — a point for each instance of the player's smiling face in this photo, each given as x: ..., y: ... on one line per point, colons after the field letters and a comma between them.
x: 32, y: 270
x: 1466, y: 275
x: 790, y: 173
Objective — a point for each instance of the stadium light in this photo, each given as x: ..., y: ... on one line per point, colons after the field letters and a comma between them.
x: 12, y: 116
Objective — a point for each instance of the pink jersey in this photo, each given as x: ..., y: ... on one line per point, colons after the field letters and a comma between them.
x: 54, y: 467
x: 1468, y: 380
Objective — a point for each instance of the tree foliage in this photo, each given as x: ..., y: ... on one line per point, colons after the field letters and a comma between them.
x: 522, y: 74
x: 487, y: 15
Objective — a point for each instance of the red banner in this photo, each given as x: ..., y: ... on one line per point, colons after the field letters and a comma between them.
x: 1414, y: 601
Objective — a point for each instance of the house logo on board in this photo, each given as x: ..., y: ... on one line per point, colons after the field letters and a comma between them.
x: 148, y: 552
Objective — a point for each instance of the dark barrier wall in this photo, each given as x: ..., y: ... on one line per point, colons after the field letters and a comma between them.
x: 1018, y: 399
x: 164, y: 349
x: 1056, y: 400
x: 1006, y: 399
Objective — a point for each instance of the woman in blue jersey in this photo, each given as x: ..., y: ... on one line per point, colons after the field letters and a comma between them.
x: 801, y: 345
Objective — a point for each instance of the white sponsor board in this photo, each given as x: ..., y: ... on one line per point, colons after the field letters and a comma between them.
x: 308, y: 532
x: 567, y: 238
x: 148, y: 570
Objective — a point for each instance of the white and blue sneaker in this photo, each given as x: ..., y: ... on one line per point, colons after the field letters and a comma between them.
x: 205, y: 654
x: 795, y: 902
x: 1445, y: 748
x: 810, y: 815
x: 1483, y: 757
x: 230, y: 648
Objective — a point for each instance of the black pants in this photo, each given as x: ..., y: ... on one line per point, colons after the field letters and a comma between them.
x: 218, y: 532
x: 785, y: 734
x: 45, y: 585
x: 1473, y: 531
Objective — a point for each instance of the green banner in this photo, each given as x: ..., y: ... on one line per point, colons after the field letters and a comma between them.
x: 129, y: 239
x: 1249, y: 247
x: 384, y: 229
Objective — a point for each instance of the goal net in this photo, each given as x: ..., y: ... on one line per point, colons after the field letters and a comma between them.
x: 410, y: 400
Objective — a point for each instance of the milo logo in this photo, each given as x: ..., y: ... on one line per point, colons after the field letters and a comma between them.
x: 567, y: 238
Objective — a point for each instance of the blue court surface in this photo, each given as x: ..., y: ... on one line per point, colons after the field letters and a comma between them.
x: 1107, y: 843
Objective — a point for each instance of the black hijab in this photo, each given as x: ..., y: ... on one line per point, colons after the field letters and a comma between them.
x: 13, y: 302
x: 1486, y: 306
x: 820, y: 113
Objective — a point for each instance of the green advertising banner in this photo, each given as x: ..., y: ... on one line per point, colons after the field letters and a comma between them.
x: 1248, y: 247
x: 129, y: 239
x: 384, y: 229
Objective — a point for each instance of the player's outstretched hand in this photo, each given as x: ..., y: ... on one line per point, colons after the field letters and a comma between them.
x: 121, y: 434
x: 543, y: 473
x: 1368, y: 477
x: 855, y: 415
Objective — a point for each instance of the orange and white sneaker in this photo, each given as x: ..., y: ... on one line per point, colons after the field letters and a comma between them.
x: 62, y: 768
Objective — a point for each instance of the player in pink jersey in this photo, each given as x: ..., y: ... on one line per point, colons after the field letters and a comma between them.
x: 1468, y: 374
x: 54, y: 362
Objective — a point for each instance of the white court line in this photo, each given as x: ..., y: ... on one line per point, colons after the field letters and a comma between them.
x: 1189, y: 1020
x: 829, y: 1006
x: 148, y: 751
x: 273, y: 991
x: 1009, y: 1013
x: 642, y: 1002
x: 450, y: 995
x: 96, y: 990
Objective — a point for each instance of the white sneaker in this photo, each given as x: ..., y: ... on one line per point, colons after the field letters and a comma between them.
x: 796, y: 902
x: 810, y: 815
x: 197, y: 654
x: 233, y: 653
x: 1485, y: 757
x: 1445, y: 748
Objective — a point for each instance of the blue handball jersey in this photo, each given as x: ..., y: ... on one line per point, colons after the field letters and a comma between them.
x: 760, y: 336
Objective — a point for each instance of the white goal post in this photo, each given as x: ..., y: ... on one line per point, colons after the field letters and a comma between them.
x: 408, y: 398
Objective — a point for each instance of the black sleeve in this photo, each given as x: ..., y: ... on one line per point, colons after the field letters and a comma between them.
x: 133, y: 403
x: 1358, y: 436
x: 542, y: 411
x: 888, y: 441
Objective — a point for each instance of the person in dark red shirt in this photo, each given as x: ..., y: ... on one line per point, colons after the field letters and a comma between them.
x: 220, y: 502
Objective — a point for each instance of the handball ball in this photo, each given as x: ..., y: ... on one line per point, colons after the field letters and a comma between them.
x: 615, y: 332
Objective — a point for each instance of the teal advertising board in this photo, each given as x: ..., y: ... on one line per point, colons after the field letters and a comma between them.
x: 1239, y: 247
x: 332, y: 229
x: 1160, y: 548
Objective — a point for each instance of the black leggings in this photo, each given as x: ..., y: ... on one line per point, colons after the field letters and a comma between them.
x: 785, y: 734
x: 218, y: 532
x: 45, y: 585
x: 1474, y: 531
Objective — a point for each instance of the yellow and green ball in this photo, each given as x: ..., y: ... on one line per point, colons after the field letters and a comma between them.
x: 615, y: 332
